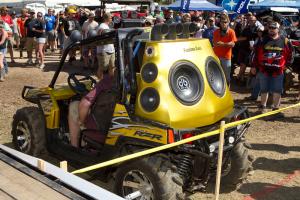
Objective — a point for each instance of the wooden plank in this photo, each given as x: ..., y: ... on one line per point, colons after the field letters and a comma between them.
x: 20, y: 186
x: 5, y: 196
x: 64, y: 165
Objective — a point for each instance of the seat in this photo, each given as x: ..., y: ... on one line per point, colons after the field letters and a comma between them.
x: 99, y: 120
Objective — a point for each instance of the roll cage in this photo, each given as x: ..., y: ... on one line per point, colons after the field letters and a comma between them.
x: 123, y: 41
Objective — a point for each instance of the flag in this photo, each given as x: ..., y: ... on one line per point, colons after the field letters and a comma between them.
x: 185, y: 5
x: 241, y: 7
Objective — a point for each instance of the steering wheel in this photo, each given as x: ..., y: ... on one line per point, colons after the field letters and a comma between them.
x: 76, y: 84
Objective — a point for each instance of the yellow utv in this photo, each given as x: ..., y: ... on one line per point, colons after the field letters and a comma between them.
x: 168, y: 87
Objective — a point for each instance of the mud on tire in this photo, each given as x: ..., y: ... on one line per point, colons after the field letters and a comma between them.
x: 238, y: 167
x: 152, y: 172
x: 28, y: 131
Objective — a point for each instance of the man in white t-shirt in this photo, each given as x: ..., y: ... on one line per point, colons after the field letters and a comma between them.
x: 105, y: 53
x: 88, y: 26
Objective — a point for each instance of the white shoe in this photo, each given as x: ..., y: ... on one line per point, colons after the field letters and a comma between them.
x: 42, y: 66
x: 29, y: 62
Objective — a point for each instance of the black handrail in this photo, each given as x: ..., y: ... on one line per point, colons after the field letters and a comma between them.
x: 132, y: 71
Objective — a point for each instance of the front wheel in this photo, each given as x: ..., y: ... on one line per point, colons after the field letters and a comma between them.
x: 238, y: 166
x: 28, y: 131
x: 150, y: 178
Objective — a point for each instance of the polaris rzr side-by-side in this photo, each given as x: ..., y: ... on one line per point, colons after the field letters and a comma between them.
x: 168, y: 87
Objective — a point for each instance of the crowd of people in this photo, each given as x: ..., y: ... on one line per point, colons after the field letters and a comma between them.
x: 242, y: 41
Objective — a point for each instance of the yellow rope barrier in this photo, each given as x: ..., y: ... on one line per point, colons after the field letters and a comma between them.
x: 167, y: 146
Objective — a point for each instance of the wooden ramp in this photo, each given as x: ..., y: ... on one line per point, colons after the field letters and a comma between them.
x: 17, y: 185
x: 25, y: 177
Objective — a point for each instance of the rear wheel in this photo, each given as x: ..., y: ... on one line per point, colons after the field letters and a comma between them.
x: 149, y: 178
x: 28, y: 131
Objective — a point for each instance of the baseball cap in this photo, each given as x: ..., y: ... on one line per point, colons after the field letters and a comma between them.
x: 159, y: 19
x: 274, y: 25
x: 31, y: 11
x: 71, y: 11
x: 260, y: 28
x: 91, y: 15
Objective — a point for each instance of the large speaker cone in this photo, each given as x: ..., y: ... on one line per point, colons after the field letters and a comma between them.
x: 215, y: 76
x: 149, y: 99
x: 186, y: 83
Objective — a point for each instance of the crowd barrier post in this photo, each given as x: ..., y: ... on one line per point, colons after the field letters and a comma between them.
x: 220, y: 158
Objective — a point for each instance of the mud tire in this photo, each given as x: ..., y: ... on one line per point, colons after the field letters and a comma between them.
x: 240, y: 165
x: 29, y: 120
x: 160, y: 172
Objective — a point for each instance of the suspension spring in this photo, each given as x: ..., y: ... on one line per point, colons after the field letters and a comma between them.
x: 184, y: 165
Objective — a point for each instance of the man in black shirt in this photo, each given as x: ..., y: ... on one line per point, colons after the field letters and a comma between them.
x: 60, y: 29
x: 247, y: 39
x: 70, y: 24
x: 30, y: 35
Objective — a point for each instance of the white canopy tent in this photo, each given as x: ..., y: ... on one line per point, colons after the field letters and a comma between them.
x: 19, y: 4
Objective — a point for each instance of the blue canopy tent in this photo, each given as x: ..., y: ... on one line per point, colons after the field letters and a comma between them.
x: 194, y: 5
x: 267, y: 4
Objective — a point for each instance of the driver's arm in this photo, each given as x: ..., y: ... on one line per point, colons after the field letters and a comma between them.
x: 84, y: 108
x: 85, y: 104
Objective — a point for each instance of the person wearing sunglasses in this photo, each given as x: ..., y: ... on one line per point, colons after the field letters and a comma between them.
x: 271, y: 58
x: 224, y: 40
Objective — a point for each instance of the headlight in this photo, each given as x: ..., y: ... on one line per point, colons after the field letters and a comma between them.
x: 149, y: 72
x: 215, y: 76
x: 186, y: 83
x: 149, y: 99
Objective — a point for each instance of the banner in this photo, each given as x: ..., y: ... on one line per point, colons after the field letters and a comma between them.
x: 241, y: 7
x: 185, y: 5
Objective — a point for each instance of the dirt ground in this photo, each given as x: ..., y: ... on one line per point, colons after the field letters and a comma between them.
x: 275, y: 144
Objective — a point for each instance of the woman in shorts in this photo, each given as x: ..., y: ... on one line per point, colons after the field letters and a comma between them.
x: 39, y: 29
x: 3, y: 41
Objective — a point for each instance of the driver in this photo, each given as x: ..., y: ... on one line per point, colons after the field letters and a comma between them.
x: 80, y: 112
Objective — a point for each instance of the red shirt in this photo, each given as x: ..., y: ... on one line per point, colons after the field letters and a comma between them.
x: 21, y: 24
x: 221, y: 51
x: 7, y: 19
x: 272, y: 55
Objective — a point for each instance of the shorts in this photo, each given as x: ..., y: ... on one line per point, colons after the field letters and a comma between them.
x: 106, y: 61
x: 16, y: 38
x: 51, y: 35
x: 243, y: 57
x: 67, y: 43
x: 226, y: 65
x: 270, y: 84
x: 10, y: 42
x: 41, y: 40
x: 30, y: 43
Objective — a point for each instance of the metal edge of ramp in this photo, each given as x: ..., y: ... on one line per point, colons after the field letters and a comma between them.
x: 75, y: 182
